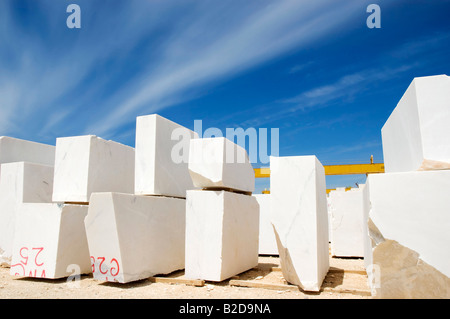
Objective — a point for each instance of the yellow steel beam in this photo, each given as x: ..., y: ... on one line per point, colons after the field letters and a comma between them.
x: 347, y: 169
x: 262, y: 172
x: 266, y: 191
x: 333, y: 189
x: 350, y: 169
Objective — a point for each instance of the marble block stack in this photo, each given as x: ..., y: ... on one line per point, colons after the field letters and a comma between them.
x: 26, y: 176
x: 222, y: 218
x: 300, y: 219
x: 50, y: 238
x: 407, y: 209
x: 137, y: 235
x: 346, y: 210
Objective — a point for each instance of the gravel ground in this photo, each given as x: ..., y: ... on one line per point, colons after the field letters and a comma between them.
x: 346, y: 280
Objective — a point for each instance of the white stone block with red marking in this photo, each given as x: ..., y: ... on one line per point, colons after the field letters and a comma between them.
x: 133, y: 237
x: 50, y: 241
x: 20, y: 182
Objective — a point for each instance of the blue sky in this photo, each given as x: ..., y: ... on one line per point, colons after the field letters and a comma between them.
x: 313, y: 69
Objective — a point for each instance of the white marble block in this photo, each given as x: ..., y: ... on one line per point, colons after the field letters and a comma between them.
x: 347, y: 212
x: 133, y: 237
x: 267, y: 240
x: 417, y: 133
x: 219, y: 163
x: 300, y: 219
x: 17, y: 150
x: 20, y: 182
x: 88, y: 164
x: 222, y: 230
x: 329, y: 216
x: 162, y: 155
x: 50, y: 241
x: 407, y: 218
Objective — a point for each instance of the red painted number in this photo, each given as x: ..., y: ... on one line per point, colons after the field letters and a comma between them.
x: 103, y: 268
x: 25, y: 253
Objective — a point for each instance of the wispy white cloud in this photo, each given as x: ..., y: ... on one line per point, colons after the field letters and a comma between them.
x: 344, y: 87
x: 349, y: 148
x: 421, y: 44
x: 323, y: 94
x: 45, y: 74
x: 139, y: 57
x: 260, y: 33
x: 300, y: 67
x: 347, y: 87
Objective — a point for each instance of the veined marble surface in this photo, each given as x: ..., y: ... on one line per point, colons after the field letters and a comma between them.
x: 88, y: 164
x: 162, y: 154
x: 17, y: 150
x: 132, y: 237
x: 347, y: 212
x: 267, y: 240
x: 218, y: 162
x: 416, y: 134
x: 20, y: 182
x: 409, y: 213
x: 50, y: 241
x: 300, y: 219
x: 222, y: 230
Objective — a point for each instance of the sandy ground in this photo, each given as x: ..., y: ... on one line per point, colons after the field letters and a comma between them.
x: 345, y: 280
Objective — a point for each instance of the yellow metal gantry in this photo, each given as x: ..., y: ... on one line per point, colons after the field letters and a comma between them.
x: 333, y: 189
x: 350, y: 169
x: 262, y: 172
x: 345, y: 169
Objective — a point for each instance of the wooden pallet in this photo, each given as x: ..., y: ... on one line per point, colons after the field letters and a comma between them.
x: 263, y: 285
x: 177, y: 278
x: 289, y: 287
x: 257, y: 278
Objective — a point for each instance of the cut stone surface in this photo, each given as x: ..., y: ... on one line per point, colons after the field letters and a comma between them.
x: 404, y: 275
x: 162, y: 155
x: 134, y: 237
x: 17, y: 150
x: 300, y: 219
x: 407, y: 219
x: 416, y: 134
x: 50, y: 241
x: 87, y: 164
x: 267, y: 240
x: 222, y: 230
x: 347, y: 212
x: 20, y: 183
x: 220, y: 163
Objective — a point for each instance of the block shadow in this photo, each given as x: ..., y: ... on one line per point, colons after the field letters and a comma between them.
x: 129, y: 285
x: 334, y: 278
x: 57, y: 281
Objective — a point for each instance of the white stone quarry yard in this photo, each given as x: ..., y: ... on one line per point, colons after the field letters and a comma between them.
x: 178, y: 239
x: 346, y: 279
